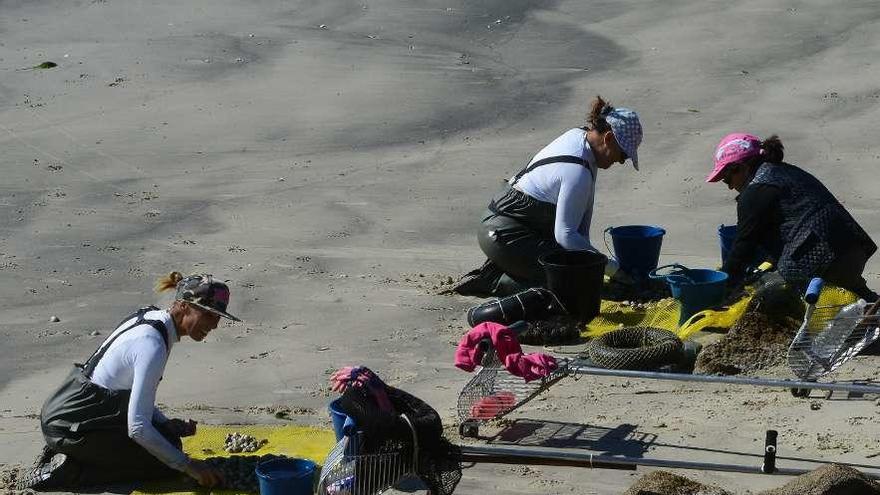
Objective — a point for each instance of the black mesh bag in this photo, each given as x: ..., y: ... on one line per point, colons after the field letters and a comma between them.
x: 439, y: 460
x: 381, y: 431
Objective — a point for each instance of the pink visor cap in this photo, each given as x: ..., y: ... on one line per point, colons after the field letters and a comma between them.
x: 733, y: 148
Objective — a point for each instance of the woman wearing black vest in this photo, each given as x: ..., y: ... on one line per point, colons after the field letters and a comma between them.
x: 791, y: 215
x: 102, y: 424
x: 548, y: 205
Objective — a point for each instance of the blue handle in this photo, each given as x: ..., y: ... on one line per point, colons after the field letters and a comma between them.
x: 813, y: 290
x: 348, y: 426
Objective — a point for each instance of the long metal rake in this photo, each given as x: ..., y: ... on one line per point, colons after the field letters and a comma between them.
x: 493, y: 392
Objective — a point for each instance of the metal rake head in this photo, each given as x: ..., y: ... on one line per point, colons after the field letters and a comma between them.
x: 494, y: 392
x: 829, y: 337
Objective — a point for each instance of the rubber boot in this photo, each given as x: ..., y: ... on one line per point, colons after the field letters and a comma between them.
x: 480, y: 282
x: 528, y: 305
x: 59, y: 472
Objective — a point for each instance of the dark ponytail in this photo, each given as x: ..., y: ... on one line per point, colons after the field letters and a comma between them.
x: 599, y: 108
x: 772, y: 150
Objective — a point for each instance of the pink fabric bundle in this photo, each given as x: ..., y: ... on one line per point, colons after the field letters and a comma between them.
x: 362, y: 377
x: 527, y: 366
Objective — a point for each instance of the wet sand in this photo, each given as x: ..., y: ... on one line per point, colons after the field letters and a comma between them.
x: 331, y: 160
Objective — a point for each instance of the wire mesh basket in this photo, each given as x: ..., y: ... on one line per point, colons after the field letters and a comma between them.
x: 830, y: 336
x: 494, y: 392
x: 347, y: 471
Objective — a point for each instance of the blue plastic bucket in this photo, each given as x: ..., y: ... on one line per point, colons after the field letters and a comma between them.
x: 342, y: 423
x: 726, y: 236
x: 695, y: 289
x: 286, y: 476
x: 637, y: 248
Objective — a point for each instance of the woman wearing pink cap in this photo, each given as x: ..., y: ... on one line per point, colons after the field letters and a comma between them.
x: 548, y: 205
x: 791, y: 215
x: 102, y: 424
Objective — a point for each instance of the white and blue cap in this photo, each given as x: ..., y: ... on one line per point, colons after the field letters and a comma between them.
x: 627, y: 131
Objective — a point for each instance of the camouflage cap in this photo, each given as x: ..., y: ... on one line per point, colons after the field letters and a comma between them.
x: 206, y: 293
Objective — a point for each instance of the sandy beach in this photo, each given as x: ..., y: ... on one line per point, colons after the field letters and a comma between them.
x: 331, y: 161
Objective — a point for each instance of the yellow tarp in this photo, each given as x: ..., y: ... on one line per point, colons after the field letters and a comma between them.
x: 294, y: 441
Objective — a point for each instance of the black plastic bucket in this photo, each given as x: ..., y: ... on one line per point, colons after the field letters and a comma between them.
x: 576, y: 278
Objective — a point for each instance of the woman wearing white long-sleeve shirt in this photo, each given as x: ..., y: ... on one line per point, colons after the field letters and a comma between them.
x: 548, y: 205
x: 102, y: 425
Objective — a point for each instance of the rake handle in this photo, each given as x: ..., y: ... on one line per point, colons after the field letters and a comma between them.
x: 577, y: 457
x: 542, y: 461
x: 873, y: 309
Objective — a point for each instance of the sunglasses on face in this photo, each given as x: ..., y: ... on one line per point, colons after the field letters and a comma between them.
x: 729, y: 172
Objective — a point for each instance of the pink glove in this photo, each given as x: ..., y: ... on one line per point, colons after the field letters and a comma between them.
x: 530, y: 367
x: 349, y: 376
x: 362, y: 377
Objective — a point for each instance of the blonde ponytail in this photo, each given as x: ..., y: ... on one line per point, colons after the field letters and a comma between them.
x: 168, y: 282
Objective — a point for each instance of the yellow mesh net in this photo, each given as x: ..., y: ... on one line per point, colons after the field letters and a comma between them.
x: 712, y: 318
x: 613, y: 315
x: 293, y: 441
x: 835, y: 296
x: 665, y: 314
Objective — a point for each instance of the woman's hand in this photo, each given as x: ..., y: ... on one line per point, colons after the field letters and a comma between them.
x: 180, y: 427
x: 206, y: 475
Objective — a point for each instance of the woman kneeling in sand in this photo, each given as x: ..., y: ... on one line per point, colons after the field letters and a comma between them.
x: 548, y: 205
x: 790, y: 215
x: 102, y: 424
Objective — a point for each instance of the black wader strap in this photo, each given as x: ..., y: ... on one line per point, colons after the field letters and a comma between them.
x: 553, y: 159
x: 92, y: 362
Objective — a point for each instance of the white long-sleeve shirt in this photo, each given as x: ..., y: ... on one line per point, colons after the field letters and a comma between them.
x: 135, y: 361
x: 569, y: 186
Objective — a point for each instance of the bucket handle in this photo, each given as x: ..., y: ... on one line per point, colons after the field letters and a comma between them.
x: 300, y: 475
x: 678, y: 270
x: 607, y: 248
